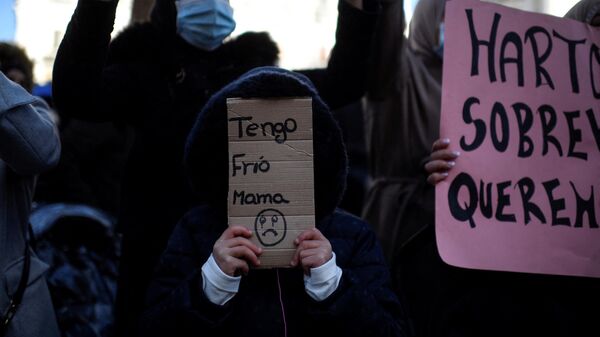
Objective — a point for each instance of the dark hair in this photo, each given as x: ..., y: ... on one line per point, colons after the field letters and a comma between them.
x: 14, y: 57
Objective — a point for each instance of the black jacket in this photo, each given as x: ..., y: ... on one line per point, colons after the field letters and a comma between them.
x: 362, y: 305
x: 151, y: 79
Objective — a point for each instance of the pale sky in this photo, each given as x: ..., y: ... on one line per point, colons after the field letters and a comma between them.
x: 303, y: 29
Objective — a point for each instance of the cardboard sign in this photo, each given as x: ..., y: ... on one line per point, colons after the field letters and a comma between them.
x: 271, y: 176
x: 521, y: 102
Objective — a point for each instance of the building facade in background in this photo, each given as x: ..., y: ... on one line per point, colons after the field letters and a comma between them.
x: 303, y: 29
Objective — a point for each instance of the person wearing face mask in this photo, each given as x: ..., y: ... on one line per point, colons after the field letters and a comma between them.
x: 204, y: 24
x: 514, y: 304
x: 154, y: 78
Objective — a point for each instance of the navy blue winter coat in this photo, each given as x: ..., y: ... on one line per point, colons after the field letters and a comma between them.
x: 362, y: 305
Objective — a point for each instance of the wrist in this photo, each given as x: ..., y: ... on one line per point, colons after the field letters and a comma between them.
x: 323, y: 272
x: 218, y: 277
x: 323, y: 280
x: 217, y: 286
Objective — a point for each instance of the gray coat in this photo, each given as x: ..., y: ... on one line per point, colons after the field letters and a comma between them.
x: 29, y: 145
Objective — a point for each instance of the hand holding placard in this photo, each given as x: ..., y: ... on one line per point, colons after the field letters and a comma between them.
x: 520, y: 102
x: 314, y: 250
x: 441, y: 161
x: 233, y: 252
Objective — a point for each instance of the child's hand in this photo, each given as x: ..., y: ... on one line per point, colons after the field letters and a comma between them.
x: 313, y: 250
x: 442, y: 161
x: 233, y: 251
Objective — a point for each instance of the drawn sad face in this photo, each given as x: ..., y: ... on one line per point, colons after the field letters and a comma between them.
x: 270, y: 227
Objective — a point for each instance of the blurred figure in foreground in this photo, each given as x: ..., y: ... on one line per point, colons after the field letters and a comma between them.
x: 29, y: 145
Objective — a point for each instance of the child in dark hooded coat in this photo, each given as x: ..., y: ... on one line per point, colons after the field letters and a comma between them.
x: 273, y: 302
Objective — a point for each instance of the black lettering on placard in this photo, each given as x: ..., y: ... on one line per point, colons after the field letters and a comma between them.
x: 482, y: 200
x: 279, y: 131
x: 572, y: 59
x: 542, y: 43
x: 548, y: 119
x: 549, y: 201
x: 556, y: 205
x: 479, y: 126
x: 527, y: 189
x: 503, y: 201
x: 514, y: 39
x: 466, y: 213
x: 485, y: 200
x: 525, y: 122
x: 585, y: 206
x: 542, y: 76
x: 243, y: 198
x: 574, y: 135
x: 500, y: 129
x: 594, y: 126
x: 498, y: 111
x: 240, y: 124
x: 476, y: 43
x: 251, y: 167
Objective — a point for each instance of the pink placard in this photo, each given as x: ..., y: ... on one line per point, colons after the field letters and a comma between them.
x: 521, y: 102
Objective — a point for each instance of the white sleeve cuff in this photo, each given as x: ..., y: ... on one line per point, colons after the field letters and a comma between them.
x: 323, y: 280
x: 218, y: 287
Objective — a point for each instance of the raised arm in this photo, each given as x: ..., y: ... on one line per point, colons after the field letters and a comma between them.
x: 29, y: 142
x: 84, y: 86
x: 389, y: 43
x: 344, y: 79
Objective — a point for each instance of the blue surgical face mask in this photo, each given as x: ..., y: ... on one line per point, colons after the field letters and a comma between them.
x: 204, y: 23
x: 440, y: 48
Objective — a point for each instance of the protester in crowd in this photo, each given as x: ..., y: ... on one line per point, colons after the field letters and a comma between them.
x: 155, y: 77
x: 443, y: 300
x: 29, y: 145
x: 492, y: 303
x: 402, y: 121
x: 351, y: 121
x: 587, y: 11
x: 345, y: 289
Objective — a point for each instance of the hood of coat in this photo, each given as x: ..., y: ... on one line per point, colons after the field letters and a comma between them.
x: 424, y: 34
x: 206, y: 152
x: 585, y: 11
